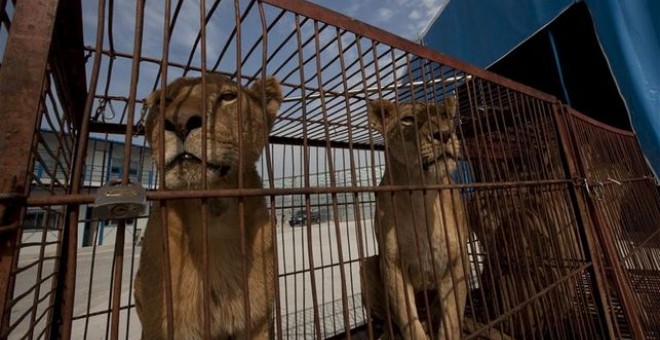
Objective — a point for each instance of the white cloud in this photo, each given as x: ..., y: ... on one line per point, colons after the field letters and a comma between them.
x: 414, y: 15
x: 384, y: 14
x: 352, y: 9
x: 433, y: 4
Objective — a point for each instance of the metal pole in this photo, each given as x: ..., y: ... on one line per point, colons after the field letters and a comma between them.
x: 21, y: 83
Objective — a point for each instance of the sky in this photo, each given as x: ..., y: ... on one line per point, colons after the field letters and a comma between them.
x: 406, y: 18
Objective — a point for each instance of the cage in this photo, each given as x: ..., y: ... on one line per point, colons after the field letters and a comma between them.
x: 549, y: 219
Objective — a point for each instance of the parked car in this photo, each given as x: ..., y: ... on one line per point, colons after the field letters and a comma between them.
x: 300, y: 218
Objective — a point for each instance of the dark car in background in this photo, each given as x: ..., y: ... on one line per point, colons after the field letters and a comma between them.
x: 300, y: 218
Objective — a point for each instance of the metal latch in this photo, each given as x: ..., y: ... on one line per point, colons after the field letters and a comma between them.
x: 117, y: 201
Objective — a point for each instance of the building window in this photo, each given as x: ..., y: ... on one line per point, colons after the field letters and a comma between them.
x: 36, y: 219
x: 117, y: 170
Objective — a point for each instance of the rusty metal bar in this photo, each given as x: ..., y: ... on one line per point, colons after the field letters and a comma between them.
x: 333, y: 183
x: 210, y: 193
x: 118, y: 259
x: 40, y: 266
x: 306, y: 158
x: 587, y: 233
x: 206, y: 285
x: 169, y: 304
x: 269, y: 170
x: 237, y: 36
x: 356, y: 197
x: 21, y: 85
x: 606, y: 241
x: 67, y: 61
x: 121, y: 226
x: 319, y: 13
x: 9, y: 238
x: 598, y: 124
x: 90, y: 282
x: 67, y: 270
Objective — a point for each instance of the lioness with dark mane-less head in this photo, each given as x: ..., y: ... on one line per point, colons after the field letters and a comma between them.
x: 421, y: 234
x: 183, y: 170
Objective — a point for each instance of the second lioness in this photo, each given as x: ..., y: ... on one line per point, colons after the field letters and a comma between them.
x: 421, y: 233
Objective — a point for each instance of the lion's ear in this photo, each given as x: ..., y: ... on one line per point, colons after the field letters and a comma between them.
x: 271, y: 89
x: 451, y: 105
x: 380, y: 112
x: 151, y: 103
x: 153, y: 98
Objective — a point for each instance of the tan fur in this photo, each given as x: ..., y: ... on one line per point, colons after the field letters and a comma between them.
x: 537, y: 227
x: 184, y: 217
x: 375, y: 299
x: 421, y: 235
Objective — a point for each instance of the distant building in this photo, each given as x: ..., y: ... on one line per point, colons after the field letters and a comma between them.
x: 104, y: 161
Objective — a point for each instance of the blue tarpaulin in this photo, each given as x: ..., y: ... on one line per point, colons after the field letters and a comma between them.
x: 483, y: 31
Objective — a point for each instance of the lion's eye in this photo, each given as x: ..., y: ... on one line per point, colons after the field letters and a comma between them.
x: 407, y: 121
x: 227, y: 97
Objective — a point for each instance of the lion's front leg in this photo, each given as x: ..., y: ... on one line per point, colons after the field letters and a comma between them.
x: 262, y: 332
x: 401, y: 294
x: 453, y: 299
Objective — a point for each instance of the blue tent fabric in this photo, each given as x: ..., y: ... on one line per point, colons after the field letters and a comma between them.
x: 630, y: 38
x: 483, y: 31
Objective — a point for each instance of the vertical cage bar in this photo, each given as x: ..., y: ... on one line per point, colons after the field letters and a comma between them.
x: 206, y: 286
x: 163, y: 206
x: 67, y: 271
x: 21, y: 84
x: 269, y: 170
x: 306, y: 173
x: 333, y: 183
x: 592, y: 255
x: 356, y: 196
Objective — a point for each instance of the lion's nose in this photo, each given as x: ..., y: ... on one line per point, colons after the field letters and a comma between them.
x: 441, y: 137
x: 184, y: 126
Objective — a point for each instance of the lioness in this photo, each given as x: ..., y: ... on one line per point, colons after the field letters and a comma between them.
x: 421, y: 234
x: 183, y: 170
x: 537, y: 226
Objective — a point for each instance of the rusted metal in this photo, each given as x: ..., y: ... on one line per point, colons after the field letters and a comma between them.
x: 564, y: 219
x: 117, y: 278
x: 67, y: 60
x: 206, y: 284
x: 269, y: 171
x: 35, y: 40
x: 588, y: 237
x: 9, y: 239
x: 169, y: 304
x: 121, y: 227
x: 247, y: 192
x: 317, y: 12
x: 21, y: 85
x: 333, y: 183
x: 600, y: 158
x: 67, y: 266
x: 306, y: 161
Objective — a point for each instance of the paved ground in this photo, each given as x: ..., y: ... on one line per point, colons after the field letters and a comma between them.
x: 93, y: 284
